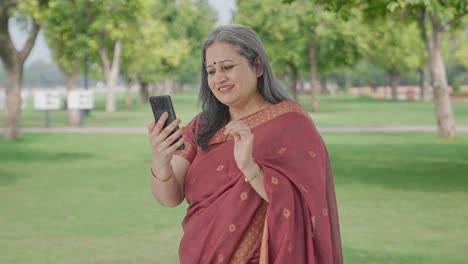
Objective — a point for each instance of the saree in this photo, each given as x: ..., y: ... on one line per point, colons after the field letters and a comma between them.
x: 228, y: 222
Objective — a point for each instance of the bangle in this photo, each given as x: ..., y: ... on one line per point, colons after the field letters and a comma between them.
x: 255, y: 176
x: 161, y: 180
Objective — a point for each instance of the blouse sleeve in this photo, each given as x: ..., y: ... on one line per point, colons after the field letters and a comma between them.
x: 190, y: 145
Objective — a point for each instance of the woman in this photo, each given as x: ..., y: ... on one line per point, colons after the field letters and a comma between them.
x: 254, y: 170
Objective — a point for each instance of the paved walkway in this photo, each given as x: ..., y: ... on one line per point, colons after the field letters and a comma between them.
x: 137, y: 130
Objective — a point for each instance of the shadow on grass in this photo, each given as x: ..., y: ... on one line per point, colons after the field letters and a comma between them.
x: 354, y: 256
x: 29, y: 155
x: 18, y: 153
x: 420, y: 167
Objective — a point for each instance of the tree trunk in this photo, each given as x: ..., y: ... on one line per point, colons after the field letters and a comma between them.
x: 70, y: 84
x: 169, y: 87
x: 143, y: 95
x: 132, y: 82
x: 443, y: 105
x: 293, y: 86
x: 315, y: 91
x: 347, y: 79
x: 323, y: 86
x: 177, y: 87
x: 11, y: 115
x: 156, y: 88
x: 394, y: 80
x: 111, y: 72
x: 293, y: 80
x: 13, y: 61
x: 425, y: 83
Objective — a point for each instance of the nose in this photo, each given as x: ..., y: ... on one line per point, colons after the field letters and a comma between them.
x: 220, y: 77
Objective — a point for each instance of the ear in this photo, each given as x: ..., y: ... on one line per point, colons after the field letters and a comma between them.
x: 258, y: 66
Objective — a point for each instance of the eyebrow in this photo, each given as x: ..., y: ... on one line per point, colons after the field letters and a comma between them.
x: 219, y: 62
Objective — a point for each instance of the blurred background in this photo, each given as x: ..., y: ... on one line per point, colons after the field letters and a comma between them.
x: 385, y: 81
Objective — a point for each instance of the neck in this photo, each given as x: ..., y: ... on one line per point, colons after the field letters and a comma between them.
x: 239, y: 111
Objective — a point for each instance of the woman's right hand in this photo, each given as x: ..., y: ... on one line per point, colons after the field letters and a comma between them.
x: 161, y: 143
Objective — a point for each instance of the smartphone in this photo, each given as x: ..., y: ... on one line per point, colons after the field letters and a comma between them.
x: 161, y: 104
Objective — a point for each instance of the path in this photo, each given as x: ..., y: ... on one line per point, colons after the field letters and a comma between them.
x: 139, y: 130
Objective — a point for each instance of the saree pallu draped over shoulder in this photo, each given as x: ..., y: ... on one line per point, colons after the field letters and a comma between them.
x: 228, y: 222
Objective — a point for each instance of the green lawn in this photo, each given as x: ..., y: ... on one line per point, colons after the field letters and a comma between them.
x: 335, y: 111
x: 86, y: 199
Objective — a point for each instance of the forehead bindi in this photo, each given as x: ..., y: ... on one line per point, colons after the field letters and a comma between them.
x: 218, y: 62
x: 219, y: 53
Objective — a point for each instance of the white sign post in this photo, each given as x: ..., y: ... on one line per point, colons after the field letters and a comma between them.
x: 24, y: 100
x: 80, y: 100
x: 47, y: 100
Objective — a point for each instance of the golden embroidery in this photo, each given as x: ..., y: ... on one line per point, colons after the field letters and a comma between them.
x: 220, y: 168
x: 264, y: 116
x: 220, y: 258
x: 189, y: 150
x: 274, y: 180
x: 244, y: 196
x: 286, y: 213
x: 325, y: 212
x: 232, y: 228
x: 290, y: 247
x: 251, y: 237
x: 281, y: 150
x: 312, y: 154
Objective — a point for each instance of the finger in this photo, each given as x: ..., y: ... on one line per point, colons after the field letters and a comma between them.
x: 158, y: 132
x: 235, y: 125
x: 173, y: 137
x: 160, y: 124
x: 245, y: 137
x: 151, y: 126
x: 241, y: 129
x: 236, y: 137
x: 177, y: 144
x: 171, y: 127
x: 232, y: 125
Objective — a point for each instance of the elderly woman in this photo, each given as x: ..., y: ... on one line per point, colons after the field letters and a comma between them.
x: 254, y: 171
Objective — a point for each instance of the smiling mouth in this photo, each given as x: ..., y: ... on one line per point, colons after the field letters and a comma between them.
x: 225, y: 89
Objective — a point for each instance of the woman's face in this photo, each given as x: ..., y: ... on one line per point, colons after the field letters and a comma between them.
x: 231, y: 78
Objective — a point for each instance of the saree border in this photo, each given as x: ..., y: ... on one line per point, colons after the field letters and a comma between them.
x: 261, y: 117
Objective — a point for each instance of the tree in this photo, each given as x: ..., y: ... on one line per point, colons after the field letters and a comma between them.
x: 310, y: 32
x: 279, y: 30
x: 187, y: 22
x: 193, y: 21
x: 64, y: 31
x: 110, y: 21
x: 395, y: 47
x: 435, y: 18
x: 149, y: 48
x: 32, y: 12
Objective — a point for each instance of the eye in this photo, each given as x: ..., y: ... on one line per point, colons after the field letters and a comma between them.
x: 228, y: 67
x: 211, y: 72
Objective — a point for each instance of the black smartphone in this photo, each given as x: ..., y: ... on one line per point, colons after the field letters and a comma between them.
x: 161, y: 104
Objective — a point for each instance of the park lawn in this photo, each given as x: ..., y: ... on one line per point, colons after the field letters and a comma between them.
x: 344, y: 110
x: 86, y: 199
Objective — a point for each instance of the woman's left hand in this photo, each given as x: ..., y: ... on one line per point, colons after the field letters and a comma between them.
x: 243, y: 144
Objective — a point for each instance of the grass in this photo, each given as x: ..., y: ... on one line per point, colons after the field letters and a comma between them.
x: 86, y: 199
x: 344, y: 110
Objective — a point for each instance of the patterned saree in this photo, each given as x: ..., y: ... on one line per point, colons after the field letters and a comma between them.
x: 228, y: 222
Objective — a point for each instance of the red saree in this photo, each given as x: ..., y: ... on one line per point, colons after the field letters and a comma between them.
x: 228, y: 222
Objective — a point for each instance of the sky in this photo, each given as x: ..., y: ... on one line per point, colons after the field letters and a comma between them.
x: 41, y: 51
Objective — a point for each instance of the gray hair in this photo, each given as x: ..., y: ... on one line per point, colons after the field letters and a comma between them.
x: 215, y: 114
